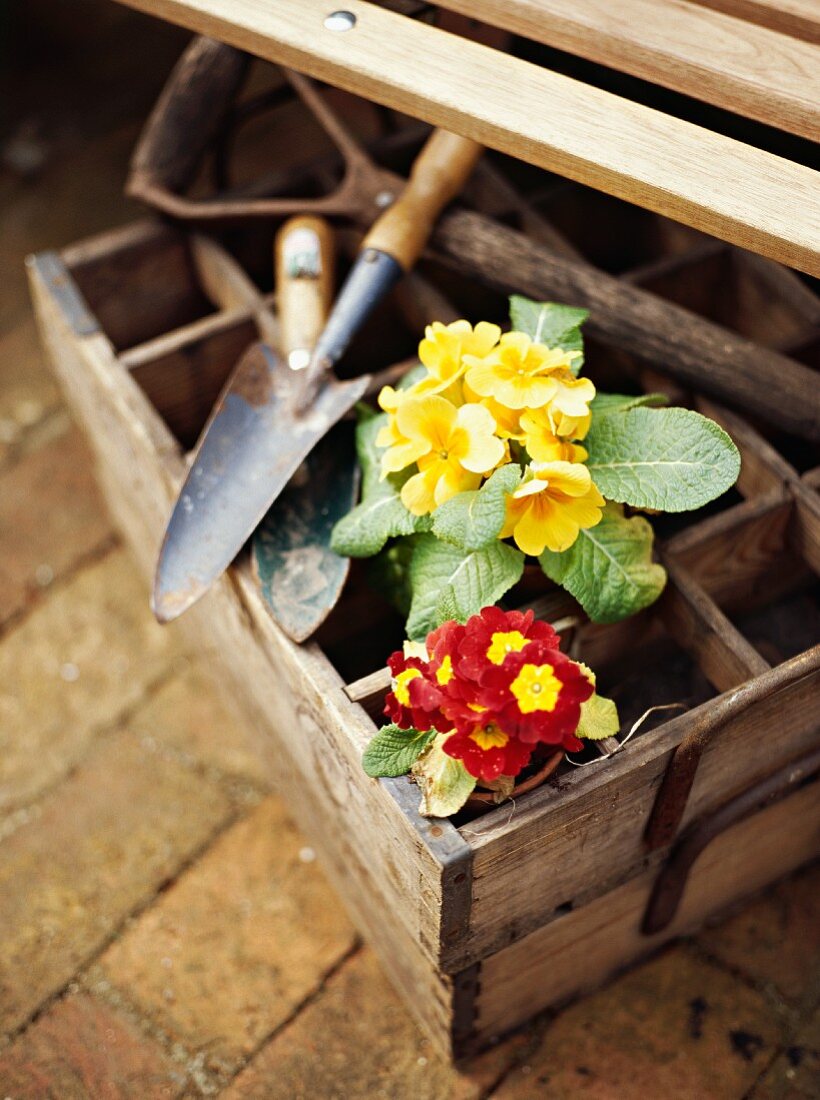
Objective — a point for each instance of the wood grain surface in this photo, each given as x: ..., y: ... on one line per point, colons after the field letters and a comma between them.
x: 741, y: 194
x: 800, y: 18
x: 742, y: 67
x: 558, y: 961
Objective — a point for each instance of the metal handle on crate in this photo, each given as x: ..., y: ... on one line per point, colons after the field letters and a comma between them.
x: 670, y: 804
x: 671, y: 882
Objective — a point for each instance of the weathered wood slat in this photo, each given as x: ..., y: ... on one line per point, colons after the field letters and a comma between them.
x: 807, y: 523
x: 666, y: 336
x: 555, y: 963
x: 735, y: 553
x: 700, y: 627
x: 641, y: 155
x: 800, y: 18
x: 590, y: 830
x: 140, y: 468
x: 727, y: 62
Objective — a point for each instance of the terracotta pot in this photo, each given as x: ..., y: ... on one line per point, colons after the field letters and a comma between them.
x: 485, y: 798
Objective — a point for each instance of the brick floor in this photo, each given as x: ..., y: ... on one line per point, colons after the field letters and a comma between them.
x: 184, y: 714
x: 358, y: 1011
x: 676, y: 1027
x: 81, y: 1048
x: 67, y: 526
x: 776, y: 940
x: 97, y: 848
x: 241, y: 939
x: 74, y: 666
x: 164, y: 930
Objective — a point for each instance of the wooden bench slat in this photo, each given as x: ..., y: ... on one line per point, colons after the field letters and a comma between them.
x: 800, y: 18
x: 739, y: 66
x: 723, y: 187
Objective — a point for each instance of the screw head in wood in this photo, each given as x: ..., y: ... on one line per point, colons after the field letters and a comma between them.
x: 340, y: 21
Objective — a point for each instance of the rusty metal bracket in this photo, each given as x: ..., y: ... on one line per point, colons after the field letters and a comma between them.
x: 671, y: 882
x: 670, y: 804
x: 194, y: 109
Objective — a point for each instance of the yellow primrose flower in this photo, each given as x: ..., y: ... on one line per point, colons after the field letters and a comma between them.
x: 518, y: 373
x: 444, y: 346
x: 437, y: 482
x: 542, y: 444
x: 453, y: 448
x: 551, y: 507
x: 401, y: 451
x: 572, y: 396
x: 570, y: 427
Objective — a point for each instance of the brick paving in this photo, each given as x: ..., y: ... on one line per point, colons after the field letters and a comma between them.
x: 165, y: 929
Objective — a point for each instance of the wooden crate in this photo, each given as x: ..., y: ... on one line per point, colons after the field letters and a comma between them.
x: 482, y: 922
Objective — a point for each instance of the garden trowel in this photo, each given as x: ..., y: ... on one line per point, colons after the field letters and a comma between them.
x: 393, y: 244
x: 260, y: 431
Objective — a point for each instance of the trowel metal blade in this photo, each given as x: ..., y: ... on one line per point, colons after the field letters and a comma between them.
x: 249, y: 450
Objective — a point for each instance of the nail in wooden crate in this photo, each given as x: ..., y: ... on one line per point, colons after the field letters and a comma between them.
x: 481, y: 923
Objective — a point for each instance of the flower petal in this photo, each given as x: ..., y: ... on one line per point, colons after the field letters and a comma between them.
x: 571, y: 478
x: 418, y: 494
x: 429, y: 418
x: 482, y: 340
x: 402, y: 455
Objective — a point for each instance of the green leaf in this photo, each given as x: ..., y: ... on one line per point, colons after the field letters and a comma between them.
x: 550, y: 323
x: 389, y: 572
x: 451, y: 583
x: 368, y: 454
x: 473, y: 519
x: 599, y: 719
x: 444, y: 782
x: 672, y: 460
x: 381, y: 514
x: 393, y: 751
x: 605, y: 403
x: 609, y: 568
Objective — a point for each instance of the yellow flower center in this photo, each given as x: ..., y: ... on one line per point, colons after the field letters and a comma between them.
x: 504, y: 642
x: 401, y: 683
x: 444, y: 673
x: 489, y: 737
x: 536, y: 687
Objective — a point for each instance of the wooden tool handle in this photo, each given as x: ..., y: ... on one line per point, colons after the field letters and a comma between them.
x: 187, y: 117
x: 438, y: 175
x: 304, y: 281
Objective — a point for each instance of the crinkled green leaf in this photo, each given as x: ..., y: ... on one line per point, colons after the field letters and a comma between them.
x: 605, y: 403
x: 368, y: 454
x: 672, y: 460
x: 599, y: 719
x: 609, y: 568
x: 445, y: 783
x: 389, y: 572
x: 474, y: 518
x: 381, y: 514
x: 550, y: 323
x: 393, y: 751
x: 451, y: 583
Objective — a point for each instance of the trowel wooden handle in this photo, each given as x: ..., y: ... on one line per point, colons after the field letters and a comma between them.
x: 439, y: 173
x: 304, y: 283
